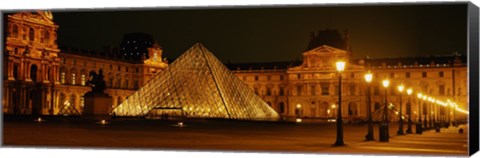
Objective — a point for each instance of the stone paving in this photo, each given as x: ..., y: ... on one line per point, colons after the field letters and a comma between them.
x: 223, y: 135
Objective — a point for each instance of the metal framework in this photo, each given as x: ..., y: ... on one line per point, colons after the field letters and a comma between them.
x: 199, y: 84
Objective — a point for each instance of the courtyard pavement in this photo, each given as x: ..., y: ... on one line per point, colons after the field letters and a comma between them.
x: 226, y: 135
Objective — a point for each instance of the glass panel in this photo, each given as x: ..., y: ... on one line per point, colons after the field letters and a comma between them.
x: 198, y: 85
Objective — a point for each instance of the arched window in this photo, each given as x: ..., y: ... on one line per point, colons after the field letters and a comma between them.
x: 72, y: 100
x: 119, y: 100
x: 31, y: 34
x: 82, y: 101
x: 46, y: 36
x: 73, y: 78
x: 62, y: 77
x: 117, y: 85
x: 83, y: 80
x: 15, y: 71
x: 269, y: 91
x: 377, y: 106
x: 352, y: 109
x: 33, y: 73
x: 281, y: 105
x: 126, y: 83
x: 15, y: 31
x: 61, y: 100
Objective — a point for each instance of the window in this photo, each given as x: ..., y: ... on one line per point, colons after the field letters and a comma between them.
x: 424, y: 74
x: 24, y: 33
x: 62, y: 77
x: 407, y: 75
x: 119, y: 82
x: 299, y: 90
x: 281, y: 77
x: 299, y: 76
x: 111, y: 67
x: 110, y: 82
x: 256, y: 78
x: 441, y: 89
x: 46, y: 36
x: 31, y: 34
x: 324, y: 87
x: 73, y: 78
x: 83, y: 79
x: 269, y: 91
x: 440, y: 74
x: 126, y: 69
x: 352, y: 89
x: 119, y: 68
x: 15, y: 31
x: 312, y: 90
x: 282, y: 91
x: 82, y: 101
x: 126, y: 83
x: 136, y: 69
x: 135, y: 84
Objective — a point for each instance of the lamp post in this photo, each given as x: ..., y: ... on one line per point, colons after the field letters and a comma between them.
x: 418, y: 128
x: 384, y: 126
x: 400, y: 119
x: 340, y: 67
x: 426, y: 111
x: 368, y: 79
x: 409, y: 111
x: 450, y: 111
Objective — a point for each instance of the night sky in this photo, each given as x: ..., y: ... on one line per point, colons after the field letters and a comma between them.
x: 276, y: 33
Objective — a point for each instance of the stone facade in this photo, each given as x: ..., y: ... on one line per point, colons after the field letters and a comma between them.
x: 41, y: 79
x: 311, y: 88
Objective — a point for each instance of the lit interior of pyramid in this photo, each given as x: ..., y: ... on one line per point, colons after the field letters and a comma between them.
x: 196, y: 85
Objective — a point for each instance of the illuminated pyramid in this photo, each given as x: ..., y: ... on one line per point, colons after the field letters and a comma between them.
x: 196, y: 85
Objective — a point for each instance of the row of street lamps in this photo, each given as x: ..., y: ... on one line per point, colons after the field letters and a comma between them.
x: 383, y: 130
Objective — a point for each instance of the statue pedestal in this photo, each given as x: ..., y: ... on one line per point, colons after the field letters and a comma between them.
x: 97, y: 104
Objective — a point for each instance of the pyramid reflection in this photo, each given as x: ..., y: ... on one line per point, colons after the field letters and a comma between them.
x: 196, y: 85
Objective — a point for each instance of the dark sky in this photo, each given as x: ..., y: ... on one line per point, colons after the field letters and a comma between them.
x: 274, y: 33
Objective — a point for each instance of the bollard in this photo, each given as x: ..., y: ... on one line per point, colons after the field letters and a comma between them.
x: 383, y: 132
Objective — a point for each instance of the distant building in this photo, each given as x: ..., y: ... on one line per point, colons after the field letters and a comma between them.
x: 310, y: 88
x: 40, y: 78
x: 135, y: 46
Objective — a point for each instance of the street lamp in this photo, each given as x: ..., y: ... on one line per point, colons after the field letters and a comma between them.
x: 400, y: 119
x: 426, y: 111
x: 368, y: 79
x: 418, y: 128
x: 409, y: 111
x: 384, y: 126
x: 340, y: 68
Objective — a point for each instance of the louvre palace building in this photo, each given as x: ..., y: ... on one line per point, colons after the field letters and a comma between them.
x: 42, y: 79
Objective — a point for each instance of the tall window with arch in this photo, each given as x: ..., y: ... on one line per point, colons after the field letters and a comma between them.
x: 46, y: 36
x: 15, y: 31
x: 62, y: 77
x: 82, y: 77
x: 73, y: 78
x: 31, y: 34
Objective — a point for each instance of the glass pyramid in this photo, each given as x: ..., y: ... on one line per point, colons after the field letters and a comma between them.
x: 196, y: 85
